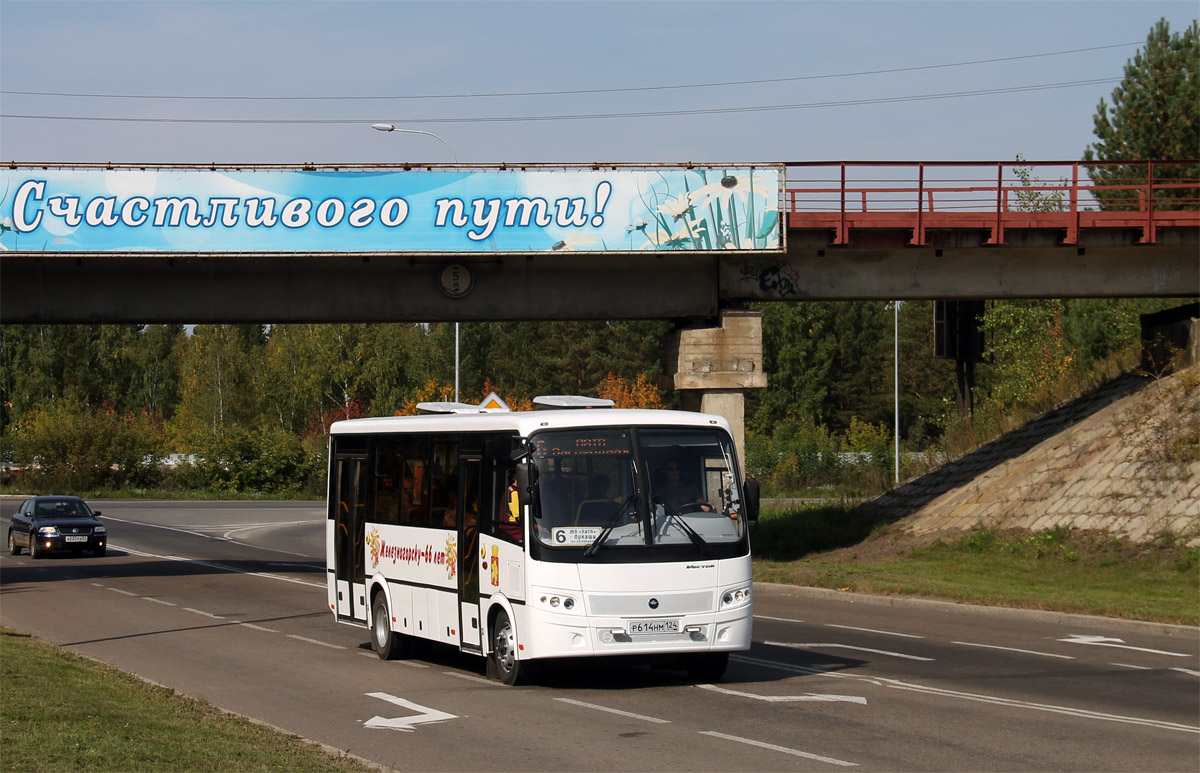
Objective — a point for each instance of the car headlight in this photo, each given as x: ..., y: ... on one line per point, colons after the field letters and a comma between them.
x: 48, y: 531
x: 736, y: 596
x: 99, y: 530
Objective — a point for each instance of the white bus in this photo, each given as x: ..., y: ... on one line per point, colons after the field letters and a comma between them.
x: 526, y: 536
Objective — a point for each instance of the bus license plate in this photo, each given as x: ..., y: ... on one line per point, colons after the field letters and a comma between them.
x: 73, y: 538
x: 653, y: 626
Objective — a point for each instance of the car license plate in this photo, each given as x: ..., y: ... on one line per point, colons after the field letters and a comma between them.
x: 654, y: 626
x: 75, y: 538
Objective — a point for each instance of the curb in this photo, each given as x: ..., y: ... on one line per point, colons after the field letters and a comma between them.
x: 957, y: 607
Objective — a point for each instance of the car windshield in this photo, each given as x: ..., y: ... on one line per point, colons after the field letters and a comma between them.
x: 632, y: 487
x: 61, y: 508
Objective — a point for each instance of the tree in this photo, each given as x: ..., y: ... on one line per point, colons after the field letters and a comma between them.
x: 1154, y: 116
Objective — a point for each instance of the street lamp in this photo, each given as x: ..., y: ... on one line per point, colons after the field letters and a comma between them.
x: 387, y: 127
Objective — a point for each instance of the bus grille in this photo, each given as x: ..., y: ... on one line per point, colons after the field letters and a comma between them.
x: 638, y: 604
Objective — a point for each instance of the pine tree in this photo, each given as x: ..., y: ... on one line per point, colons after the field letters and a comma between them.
x: 1153, y: 117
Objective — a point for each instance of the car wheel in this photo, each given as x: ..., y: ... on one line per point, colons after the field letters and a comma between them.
x: 708, y: 666
x: 35, y: 550
x: 13, y: 550
x: 388, y: 644
x: 502, y: 660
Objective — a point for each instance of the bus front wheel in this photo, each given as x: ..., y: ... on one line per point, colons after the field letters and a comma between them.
x: 502, y: 659
x: 388, y: 644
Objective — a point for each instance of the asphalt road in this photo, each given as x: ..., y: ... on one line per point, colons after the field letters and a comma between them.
x: 226, y: 601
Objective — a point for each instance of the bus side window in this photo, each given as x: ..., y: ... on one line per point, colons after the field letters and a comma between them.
x: 388, y: 469
x: 443, y: 496
x: 414, y: 499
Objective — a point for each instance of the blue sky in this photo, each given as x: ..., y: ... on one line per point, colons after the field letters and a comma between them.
x: 405, y: 49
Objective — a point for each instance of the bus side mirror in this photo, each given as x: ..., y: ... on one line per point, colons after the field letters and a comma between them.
x: 524, y: 492
x: 750, y: 488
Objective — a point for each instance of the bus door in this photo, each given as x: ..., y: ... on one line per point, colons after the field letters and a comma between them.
x: 470, y: 625
x: 349, y: 530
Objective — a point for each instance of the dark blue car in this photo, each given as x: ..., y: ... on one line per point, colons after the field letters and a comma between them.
x: 49, y: 524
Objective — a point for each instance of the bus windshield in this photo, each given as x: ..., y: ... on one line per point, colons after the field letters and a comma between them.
x: 606, y: 487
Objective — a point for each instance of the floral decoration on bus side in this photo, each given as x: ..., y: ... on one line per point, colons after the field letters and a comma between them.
x: 373, y: 543
x: 451, y: 557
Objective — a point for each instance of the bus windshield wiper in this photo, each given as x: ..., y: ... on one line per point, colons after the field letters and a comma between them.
x: 684, y: 526
x: 612, y: 524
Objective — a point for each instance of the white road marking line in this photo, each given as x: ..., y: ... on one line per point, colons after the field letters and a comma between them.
x: 259, y: 628
x: 835, y: 645
x: 777, y: 619
x: 780, y: 666
x: 405, y: 724
x: 1012, y: 703
x: 1188, y: 671
x: 784, y: 749
x: 193, y: 533
x: 873, y: 630
x: 811, y: 697
x: 221, y: 567
x: 1013, y: 649
x: 202, y: 612
x: 468, y: 677
x: 122, y: 592
x: 629, y: 714
x: 1105, y: 641
x: 1084, y: 713
x: 316, y: 641
x: 160, y: 601
x: 1126, y: 665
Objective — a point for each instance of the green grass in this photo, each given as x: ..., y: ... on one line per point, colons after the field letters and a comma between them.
x: 1059, y: 569
x: 61, y: 712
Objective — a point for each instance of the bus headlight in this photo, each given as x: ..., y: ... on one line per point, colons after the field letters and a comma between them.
x: 557, y: 601
x: 735, y: 597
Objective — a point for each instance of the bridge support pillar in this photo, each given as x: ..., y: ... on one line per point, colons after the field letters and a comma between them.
x: 712, y: 366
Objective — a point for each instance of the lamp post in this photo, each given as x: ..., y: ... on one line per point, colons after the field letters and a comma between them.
x: 387, y: 127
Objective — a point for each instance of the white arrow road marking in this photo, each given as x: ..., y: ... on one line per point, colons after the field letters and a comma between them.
x: 1105, y: 641
x: 808, y: 697
x: 405, y: 724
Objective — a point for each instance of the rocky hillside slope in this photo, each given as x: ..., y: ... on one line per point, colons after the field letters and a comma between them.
x: 1124, y: 459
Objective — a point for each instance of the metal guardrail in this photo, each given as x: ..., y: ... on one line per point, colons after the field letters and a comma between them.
x: 992, y: 195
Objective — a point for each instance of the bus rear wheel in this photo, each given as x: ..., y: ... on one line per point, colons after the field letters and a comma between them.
x: 388, y: 644
x: 502, y: 659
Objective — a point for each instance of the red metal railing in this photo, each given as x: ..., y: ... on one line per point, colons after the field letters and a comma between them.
x: 992, y: 195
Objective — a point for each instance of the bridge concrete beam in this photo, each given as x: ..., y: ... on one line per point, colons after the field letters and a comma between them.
x: 186, y: 289
x: 1032, y: 264
x: 378, y: 288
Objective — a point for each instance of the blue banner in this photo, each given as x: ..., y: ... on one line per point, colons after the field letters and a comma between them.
x: 389, y: 209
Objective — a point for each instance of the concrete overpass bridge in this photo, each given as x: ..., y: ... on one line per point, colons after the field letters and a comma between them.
x: 834, y: 231
x: 854, y: 230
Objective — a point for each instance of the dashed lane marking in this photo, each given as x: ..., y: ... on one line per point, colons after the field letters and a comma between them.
x: 610, y: 710
x: 316, y: 641
x: 783, y: 749
x: 835, y: 645
x: 1014, y: 649
x: 811, y: 697
x: 874, y: 630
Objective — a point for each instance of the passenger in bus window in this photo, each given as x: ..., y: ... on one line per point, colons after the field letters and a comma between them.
x: 677, y: 492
